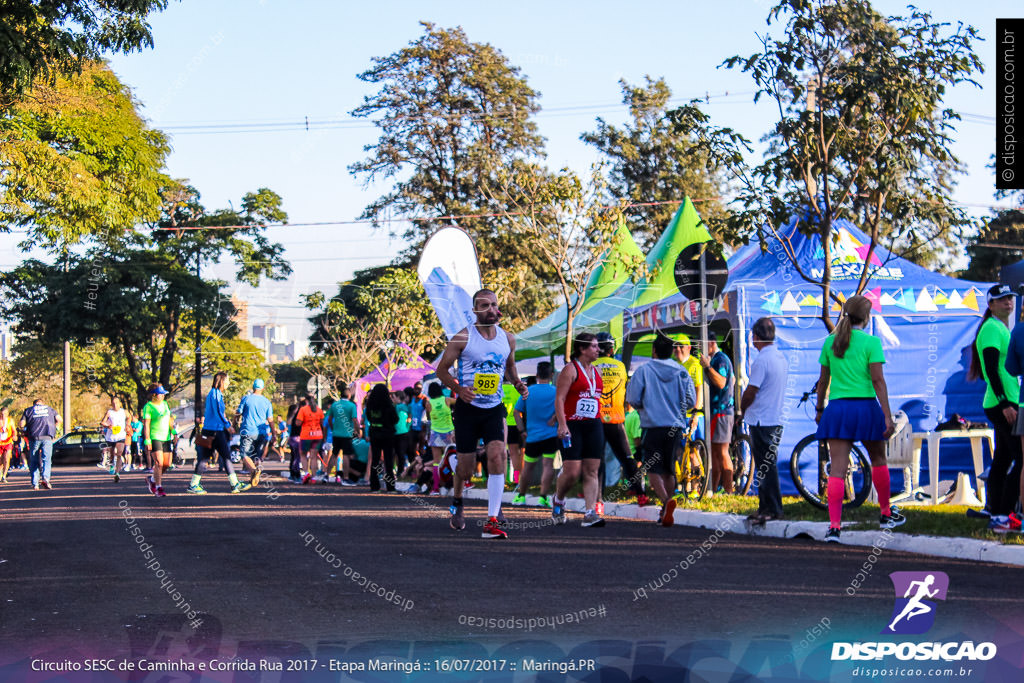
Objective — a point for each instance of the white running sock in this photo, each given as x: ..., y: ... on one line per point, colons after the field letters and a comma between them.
x: 495, y: 487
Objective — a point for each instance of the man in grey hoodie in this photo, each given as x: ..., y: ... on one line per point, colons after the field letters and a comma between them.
x: 662, y: 392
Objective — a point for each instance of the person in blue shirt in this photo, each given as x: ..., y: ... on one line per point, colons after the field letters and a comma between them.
x: 344, y: 427
x: 535, y: 418
x: 137, y: 451
x: 718, y: 372
x: 256, y: 413
x: 216, y: 427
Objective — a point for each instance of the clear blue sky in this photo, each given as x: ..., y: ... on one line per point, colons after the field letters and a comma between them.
x: 271, y: 61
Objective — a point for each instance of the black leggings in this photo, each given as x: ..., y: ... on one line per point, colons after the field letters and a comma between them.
x: 221, y: 446
x: 1003, y: 486
x: 382, y: 450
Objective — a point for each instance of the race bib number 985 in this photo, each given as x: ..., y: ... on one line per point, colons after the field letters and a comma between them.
x: 486, y: 383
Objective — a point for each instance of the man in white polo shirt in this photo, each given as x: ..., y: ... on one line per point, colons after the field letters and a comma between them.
x: 761, y: 405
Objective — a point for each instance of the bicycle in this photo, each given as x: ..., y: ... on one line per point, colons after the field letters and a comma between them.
x: 742, y: 455
x: 692, y: 467
x: 816, y: 459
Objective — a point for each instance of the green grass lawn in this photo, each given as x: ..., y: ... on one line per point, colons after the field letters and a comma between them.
x: 929, y: 520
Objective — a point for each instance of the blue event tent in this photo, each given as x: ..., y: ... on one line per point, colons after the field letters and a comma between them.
x: 926, y: 322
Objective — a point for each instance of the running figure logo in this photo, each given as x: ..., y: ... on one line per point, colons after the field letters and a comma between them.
x: 914, y: 611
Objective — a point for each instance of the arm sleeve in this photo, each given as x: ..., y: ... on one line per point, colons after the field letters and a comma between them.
x: 990, y: 358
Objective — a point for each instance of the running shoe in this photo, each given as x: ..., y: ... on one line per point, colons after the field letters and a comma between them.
x: 984, y: 513
x: 172, y: 466
x: 519, y: 499
x: 599, y: 507
x: 346, y: 482
x: 435, y: 493
x: 456, y: 521
x: 892, y: 520
x: 160, y: 492
x: 544, y: 501
x: 103, y: 465
x: 197, y: 489
x: 642, y: 500
x: 832, y: 536
x: 362, y: 482
x: 117, y: 477
x: 1004, y: 524
x: 307, y: 478
x: 558, y: 512
x: 666, y: 512
x: 238, y: 487
x: 245, y: 486
x: 45, y: 483
x: 592, y: 519
x: 492, y: 529
x: 111, y: 470
x: 254, y: 480
x: 151, y: 484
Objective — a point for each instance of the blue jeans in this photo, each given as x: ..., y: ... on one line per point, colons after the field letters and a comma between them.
x: 39, y: 453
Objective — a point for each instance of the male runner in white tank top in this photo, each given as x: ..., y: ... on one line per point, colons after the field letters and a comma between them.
x: 486, y: 357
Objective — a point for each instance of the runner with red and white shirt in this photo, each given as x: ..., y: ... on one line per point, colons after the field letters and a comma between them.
x: 115, y: 431
x: 577, y: 409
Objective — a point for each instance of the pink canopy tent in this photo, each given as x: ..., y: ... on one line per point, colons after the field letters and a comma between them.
x: 402, y: 369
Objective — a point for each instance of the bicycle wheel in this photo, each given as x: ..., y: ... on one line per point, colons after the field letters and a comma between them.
x: 811, y: 480
x: 742, y: 457
x: 693, y: 470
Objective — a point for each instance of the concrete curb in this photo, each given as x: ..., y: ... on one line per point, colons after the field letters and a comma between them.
x: 940, y: 546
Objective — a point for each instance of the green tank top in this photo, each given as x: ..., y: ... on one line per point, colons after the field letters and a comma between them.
x: 440, y: 415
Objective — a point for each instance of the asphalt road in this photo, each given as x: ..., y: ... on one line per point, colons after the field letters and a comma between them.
x: 302, y: 572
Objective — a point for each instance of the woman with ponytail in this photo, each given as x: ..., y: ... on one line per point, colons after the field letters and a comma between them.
x: 858, y: 410
x: 989, y: 361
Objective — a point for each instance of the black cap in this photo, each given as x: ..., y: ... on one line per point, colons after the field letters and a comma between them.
x: 999, y: 291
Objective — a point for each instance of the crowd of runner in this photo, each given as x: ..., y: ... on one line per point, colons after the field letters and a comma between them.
x: 478, y: 417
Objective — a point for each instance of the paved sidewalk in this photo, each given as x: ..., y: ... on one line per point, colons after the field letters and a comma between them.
x: 940, y: 546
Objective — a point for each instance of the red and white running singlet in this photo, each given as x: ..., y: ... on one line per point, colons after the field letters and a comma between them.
x: 583, y: 400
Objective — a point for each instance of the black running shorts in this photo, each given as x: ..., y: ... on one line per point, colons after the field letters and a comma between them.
x: 473, y: 423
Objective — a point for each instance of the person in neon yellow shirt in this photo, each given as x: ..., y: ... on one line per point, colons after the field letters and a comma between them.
x: 988, y: 361
x: 156, y: 434
x: 858, y: 410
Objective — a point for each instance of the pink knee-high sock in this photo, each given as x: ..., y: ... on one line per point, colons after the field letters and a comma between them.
x: 437, y: 479
x: 836, y: 489
x: 880, y: 478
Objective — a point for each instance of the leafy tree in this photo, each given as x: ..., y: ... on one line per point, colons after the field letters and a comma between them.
x: 139, y: 293
x: 359, y: 328
x: 651, y: 162
x: 450, y: 113
x: 566, y: 222
x: 77, y: 159
x: 55, y: 37
x: 861, y: 132
x: 1000, y: 243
